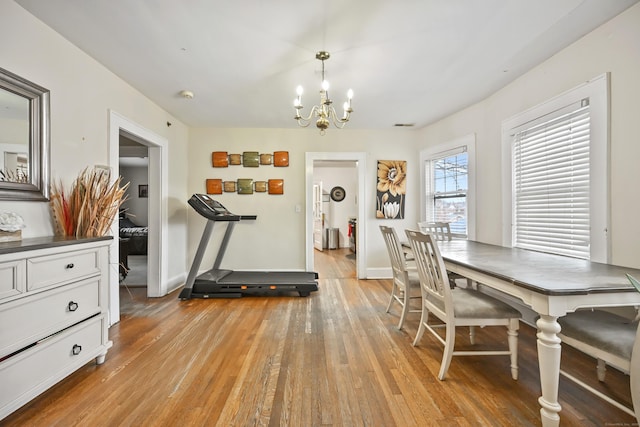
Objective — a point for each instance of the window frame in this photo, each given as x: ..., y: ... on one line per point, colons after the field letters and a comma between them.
x: 436, y: 152
x: 597, y: 91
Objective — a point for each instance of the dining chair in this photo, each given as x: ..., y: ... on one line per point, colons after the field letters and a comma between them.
x: 612, y: 340
x: 457, y: 306
x: 442, y: 232
x: 406, y: 284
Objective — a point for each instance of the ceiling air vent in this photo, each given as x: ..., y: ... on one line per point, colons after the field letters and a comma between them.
x: 404, y: 125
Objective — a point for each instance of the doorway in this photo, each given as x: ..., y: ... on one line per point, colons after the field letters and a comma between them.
x: 157, y: 209
x: 134, y: 214
x: 358, y: 161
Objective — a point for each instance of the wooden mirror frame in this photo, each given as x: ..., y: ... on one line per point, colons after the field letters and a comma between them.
x: 37, y: 188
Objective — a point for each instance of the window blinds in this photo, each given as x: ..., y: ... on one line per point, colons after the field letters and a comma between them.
x: 551, y: 176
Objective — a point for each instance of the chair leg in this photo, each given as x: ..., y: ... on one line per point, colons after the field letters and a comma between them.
x: 472, y: 335
x: 405, y: 307
x: 424, y: 318
x: 601, y: 370
x: 450, y: 341
x: 393, y: 296
x: 512, y: 338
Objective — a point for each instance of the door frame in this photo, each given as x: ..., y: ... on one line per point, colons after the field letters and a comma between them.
x: 361, y: 165
x: 157, y: 240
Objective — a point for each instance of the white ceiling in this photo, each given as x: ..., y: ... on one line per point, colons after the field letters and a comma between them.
x: 408, y: 61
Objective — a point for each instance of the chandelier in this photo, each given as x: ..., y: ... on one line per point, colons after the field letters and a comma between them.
x: 324, y: 112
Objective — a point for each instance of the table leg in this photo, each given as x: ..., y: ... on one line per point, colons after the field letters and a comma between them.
x: 549, y: 352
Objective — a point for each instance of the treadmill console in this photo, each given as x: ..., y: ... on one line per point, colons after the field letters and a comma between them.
x: 213, y: 210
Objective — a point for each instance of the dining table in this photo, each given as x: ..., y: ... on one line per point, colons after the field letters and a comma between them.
x: 552, y: 286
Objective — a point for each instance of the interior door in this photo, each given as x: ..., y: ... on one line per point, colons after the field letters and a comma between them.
x: 318, y: 217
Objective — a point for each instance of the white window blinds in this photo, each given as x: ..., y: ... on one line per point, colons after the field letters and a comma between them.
x: 551, y: 177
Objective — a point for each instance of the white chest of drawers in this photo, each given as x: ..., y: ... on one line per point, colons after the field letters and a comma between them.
x: 53, y: 313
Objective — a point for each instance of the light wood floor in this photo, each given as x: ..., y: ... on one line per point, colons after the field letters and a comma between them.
x: 334, y: 358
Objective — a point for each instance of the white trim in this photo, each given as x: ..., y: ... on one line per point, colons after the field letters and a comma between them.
x: 361, y: 159
x: 158, y: 210
x: 597, y: 90
x: 431, y: 152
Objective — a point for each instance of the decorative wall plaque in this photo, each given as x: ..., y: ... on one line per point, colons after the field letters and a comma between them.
x: 276, y: 186
x: 214, y: 186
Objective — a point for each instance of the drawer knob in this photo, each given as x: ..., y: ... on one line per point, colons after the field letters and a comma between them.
x: 70, y: 265
x: 73, y: 306
x: 76, y: 349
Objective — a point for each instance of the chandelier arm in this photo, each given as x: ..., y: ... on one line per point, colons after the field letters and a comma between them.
x: 306, y: 119
x: 337, y: 122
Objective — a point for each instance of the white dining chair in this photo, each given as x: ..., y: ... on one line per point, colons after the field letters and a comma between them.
x: 610, y: 339
x: 405, y: 283
x: 442, y: 232
x: 457, y: 306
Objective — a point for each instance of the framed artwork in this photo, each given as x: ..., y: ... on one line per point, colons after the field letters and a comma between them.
x: 229, y: 186
x: 260, y: 186
x: 391, y: 189
x: 143, y: 191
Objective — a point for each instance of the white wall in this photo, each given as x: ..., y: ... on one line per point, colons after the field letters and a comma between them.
x: 276, y: 240
x: 614, y: 48
x: 82, y: 92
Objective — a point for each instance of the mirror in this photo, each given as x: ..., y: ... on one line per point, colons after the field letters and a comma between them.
x: 24, y: 139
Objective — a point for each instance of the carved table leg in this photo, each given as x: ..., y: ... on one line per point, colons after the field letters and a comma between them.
x: 549, y: 351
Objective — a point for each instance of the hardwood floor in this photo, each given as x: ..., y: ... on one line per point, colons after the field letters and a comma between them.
x: 334, y: 358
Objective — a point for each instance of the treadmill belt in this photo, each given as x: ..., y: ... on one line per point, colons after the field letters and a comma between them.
x: 268, y: 278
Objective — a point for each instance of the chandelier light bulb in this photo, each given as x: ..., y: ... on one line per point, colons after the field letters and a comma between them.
x: 325, y: 85
x: 299, y: 90
x: 350, y: 94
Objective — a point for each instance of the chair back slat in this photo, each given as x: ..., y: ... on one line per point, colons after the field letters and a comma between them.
x: 396, y: 254
x: 441, y: 230
x: 431, y: 270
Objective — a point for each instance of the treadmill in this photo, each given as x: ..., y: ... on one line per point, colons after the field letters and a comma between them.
x: 218, y: 283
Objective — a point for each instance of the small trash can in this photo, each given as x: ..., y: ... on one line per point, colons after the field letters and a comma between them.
x: 333, y: 238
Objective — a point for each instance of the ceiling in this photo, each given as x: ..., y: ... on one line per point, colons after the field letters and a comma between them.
x: 407, y: 61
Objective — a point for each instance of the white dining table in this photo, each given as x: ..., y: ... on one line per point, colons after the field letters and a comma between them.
x: 551, y: 285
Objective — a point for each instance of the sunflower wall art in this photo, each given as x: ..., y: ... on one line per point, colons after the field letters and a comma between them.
x: 391, y: 189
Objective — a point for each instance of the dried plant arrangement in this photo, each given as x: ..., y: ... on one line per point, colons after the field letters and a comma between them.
x: 91, y: 205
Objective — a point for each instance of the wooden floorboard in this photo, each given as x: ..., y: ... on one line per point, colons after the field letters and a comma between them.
x: 334, y: 358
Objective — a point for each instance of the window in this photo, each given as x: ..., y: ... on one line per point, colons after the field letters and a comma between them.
x: 558, y: 163
x: 446, y: 179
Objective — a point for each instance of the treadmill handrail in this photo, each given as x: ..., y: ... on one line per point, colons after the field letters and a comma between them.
x: 214, y: 210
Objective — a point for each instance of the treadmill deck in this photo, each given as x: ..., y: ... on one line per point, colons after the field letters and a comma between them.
x: 233, y: 284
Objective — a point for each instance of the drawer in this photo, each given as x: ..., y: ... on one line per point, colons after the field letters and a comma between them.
x: 29, y: 319
x: 51, y: 270
x: 30, y: 372
x: 12, y: 278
